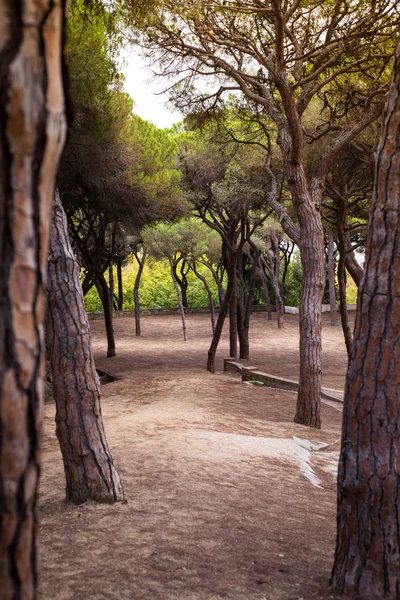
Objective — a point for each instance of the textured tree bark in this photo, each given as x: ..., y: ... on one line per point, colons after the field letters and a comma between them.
x: 181, y: 307
x: 32, y: 133
x: 367, y: 558
x: 89, y: 468
x: 307, y: 201
x: 331, y: 277
x: 140, y: 262
x: 104, y: 294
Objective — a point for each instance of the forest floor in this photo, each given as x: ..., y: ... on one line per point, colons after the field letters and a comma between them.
x: 224, y: 498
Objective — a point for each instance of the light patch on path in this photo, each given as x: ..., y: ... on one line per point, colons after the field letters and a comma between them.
x: 218, y: 447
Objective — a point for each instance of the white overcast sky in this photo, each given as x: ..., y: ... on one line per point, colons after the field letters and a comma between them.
x: 148, y: 105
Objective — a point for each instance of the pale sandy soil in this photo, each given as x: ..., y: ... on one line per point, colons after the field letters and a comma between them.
x: 223, y: 502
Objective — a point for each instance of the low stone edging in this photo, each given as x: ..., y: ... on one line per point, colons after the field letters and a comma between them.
x: 254, y: 374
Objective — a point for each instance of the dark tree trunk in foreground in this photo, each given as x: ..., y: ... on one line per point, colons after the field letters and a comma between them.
x: 367, y: 558
x: 104, y: 293
x: 140, y: 262
x: 89, y: 468
x: 32, y: 133
x: 331, y: 277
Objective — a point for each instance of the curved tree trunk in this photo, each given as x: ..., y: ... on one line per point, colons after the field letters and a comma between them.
x: 367, y: 553
x: 355, y: 270
x: 181, y: 307
x: 331, y: 277
x: 89, y: 468
x: 32, y: 133
x: 140, y: 262
x: 104, y: 294
x: 311, y: 244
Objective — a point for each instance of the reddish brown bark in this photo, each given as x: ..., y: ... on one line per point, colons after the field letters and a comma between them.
x: 89, y: 468
x: 32, y: 133
x: 367, y: 558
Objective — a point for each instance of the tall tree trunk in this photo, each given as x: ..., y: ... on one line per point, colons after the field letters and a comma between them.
x: 120, y: 286
x: 263, y: 278
x: 307, y: 201
x: 104, y: 294
x: 140, y: 262
x: 367, y: 553
x: 209, y: 294
x: 331, y: 276
x: 181, y: 307
x: 233, y: 333
x: 89, y: 468
x: 32, y: 133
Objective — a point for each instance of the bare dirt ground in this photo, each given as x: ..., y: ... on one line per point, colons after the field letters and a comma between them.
x: 224, y: 498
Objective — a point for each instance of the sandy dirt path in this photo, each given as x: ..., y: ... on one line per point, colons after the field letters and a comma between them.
x: 223, y: 500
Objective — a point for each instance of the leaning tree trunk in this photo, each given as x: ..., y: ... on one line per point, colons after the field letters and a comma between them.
x: 221, y: 319
x: 136, y: 298
x: 89, y: 468
x: 331, y: 277
x: 32, y: 133
x: 181, y: 307
x: 367, y: 556
x: 104, y: 294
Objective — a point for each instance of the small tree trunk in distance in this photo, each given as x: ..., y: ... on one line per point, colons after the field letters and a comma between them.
x: 331, y: 276
x: 341, y: 224
x: 104, y: 293
x: 233, y: 333
x: 181, y: 307
x: 265, y: 290
x: 221, y: 291
x: 220, y: 321
x: 367, y: 553
x: 355, y: 270
x: 89, y: 468
x: 120, y: 286
x: 111, y: 283
x: 244, y: 312
x: 140, y: 262
x: 32, y: 133
x: 209, y: 294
